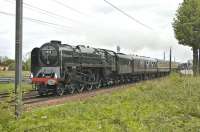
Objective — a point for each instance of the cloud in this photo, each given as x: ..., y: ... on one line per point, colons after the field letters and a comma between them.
x: 98, y: 25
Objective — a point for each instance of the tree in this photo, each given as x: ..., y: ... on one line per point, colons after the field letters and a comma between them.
x: 11, y: 66
x: 27, y: 65
x: 27, y: 62
x: 8, y: 62
x: 187, y: 27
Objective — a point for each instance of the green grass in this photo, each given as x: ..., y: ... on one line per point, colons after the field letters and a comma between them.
x: 10, y: 87
x: 165, y: 105
x: 12, y: 73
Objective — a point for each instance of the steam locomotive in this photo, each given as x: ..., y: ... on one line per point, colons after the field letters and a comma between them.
x: 61, y: 68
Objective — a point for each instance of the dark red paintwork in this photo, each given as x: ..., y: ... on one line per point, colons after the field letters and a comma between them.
x: 40, y: 80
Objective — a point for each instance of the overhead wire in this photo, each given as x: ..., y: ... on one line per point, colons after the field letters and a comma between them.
x: 48, y: 13
x: 126, y: 14
x: 69, y: 7
x: 51, y: 14
x: 38, y: 21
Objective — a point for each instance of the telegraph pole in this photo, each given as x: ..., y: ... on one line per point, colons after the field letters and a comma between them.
x: 18, y: 58
x: 118, y: 49
x: 170, y: 59
x: 164, y: 55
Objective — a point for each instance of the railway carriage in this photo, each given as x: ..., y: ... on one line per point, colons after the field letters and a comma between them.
x: 138, y: 65
x: 151, y: 65
x: 163, y: 67
x: 175, y: 66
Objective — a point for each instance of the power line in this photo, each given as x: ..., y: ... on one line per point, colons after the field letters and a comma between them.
x: 71, y: 8
x: 38, y: 21
x: 48, y: 13
x: 131, y: 17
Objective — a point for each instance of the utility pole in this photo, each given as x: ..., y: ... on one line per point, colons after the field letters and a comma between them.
x: 118, y: 49
x: 164, y: 55
x: 18, y: 58
x: 170, y: 59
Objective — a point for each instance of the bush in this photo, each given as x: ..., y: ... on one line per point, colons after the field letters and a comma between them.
x: 11, y: 66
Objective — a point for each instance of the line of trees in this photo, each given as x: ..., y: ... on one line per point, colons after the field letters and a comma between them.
x: 10, y: 63
x: 187, y: 29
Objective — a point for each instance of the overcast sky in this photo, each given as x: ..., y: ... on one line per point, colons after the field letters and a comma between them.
x: 97, y: 24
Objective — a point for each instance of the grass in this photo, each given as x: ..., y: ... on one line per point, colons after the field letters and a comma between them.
x: 12, y: 73
x: 164, y: 105
x: 10, y: 87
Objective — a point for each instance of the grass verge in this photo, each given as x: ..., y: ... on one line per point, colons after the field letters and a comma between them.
x: 164, y: 105
x: 8, y: 87
x: 12, y: 73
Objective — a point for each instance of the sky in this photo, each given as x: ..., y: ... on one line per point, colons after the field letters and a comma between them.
x: 96, y: 24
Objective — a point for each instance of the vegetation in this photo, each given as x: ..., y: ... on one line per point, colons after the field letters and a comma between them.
x: 12, y: 73
x: 27, y: 64
x: 168, y: 104
x: 10, y: 87
x: 186, y: 27
x: 10, y: 63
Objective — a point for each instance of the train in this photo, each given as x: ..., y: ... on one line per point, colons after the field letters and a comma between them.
x: 62, y: 68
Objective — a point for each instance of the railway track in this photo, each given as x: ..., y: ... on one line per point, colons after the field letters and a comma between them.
x: 26, y: 94
x: 4, y: 95
x: 32, y: 99
x: 54, y: 100
x: 5, y: 80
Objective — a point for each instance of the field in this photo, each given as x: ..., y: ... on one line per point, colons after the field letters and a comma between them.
x: 12, y: 73
x: 164, y: 105
x: 10, y: 87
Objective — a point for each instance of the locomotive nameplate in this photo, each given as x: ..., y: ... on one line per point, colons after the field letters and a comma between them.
x: 51, y: 82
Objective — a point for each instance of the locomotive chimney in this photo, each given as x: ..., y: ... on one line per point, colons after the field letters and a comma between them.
x: 55, y: 42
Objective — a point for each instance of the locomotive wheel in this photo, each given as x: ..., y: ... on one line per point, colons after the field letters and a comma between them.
x: 91, y: 78
x: 60, y: 89
x: 40, y: 93
x: 110, y: 83
x: 71, y: 89
x: 98, y: 85
x: 89, y: 87
x: 40, y: 90
x: 80, y: 88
